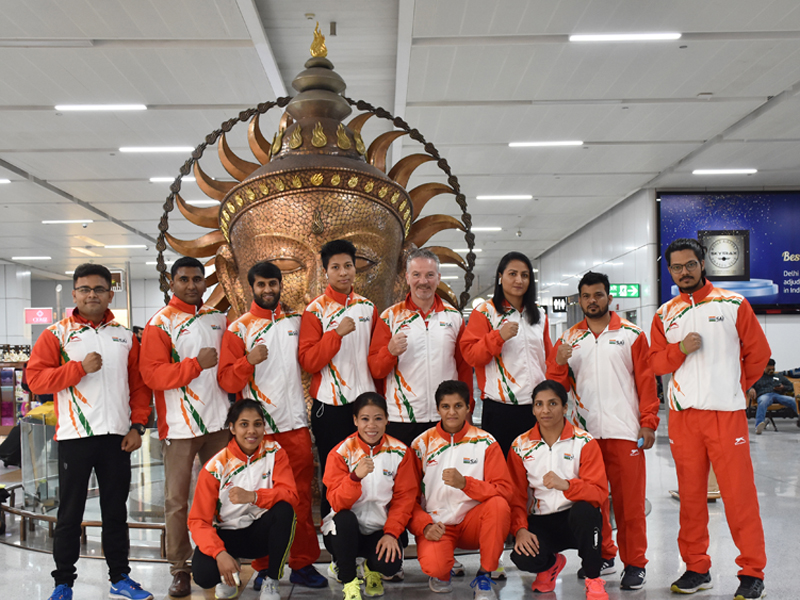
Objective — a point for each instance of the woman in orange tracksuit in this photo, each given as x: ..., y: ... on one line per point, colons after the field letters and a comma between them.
x: 372, y: 487
x: 507, y: 340
x: 559, y: 485
x: 243, y: 507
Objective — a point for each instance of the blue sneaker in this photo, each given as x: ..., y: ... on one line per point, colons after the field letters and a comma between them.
x: 258, y: 581
x: 127, y: 589
x: 62, y: 592
x: 483, y: 587
x: 308, y: 577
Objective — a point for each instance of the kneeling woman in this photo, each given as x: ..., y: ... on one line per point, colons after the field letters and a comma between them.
x: 372, y: 488
x: 559, y: 485
x: 243, y: 506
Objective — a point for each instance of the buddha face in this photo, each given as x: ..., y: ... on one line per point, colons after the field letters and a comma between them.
x: 290, y: 230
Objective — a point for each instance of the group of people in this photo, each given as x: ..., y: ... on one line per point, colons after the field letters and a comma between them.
x: 392, y: 422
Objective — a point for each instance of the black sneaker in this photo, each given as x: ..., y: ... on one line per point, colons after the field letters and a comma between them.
x: 691, y: 582
x: 749, y: 587
x: 607, y: 568
x: 633, y: 578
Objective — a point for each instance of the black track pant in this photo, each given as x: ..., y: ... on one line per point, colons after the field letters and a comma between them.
x: 330, y: 425
x: 407, y: 432
x: 506, y: 421
x: 270, y: 535
x: 349, y: 543
x: 578, y: 527
x: 112, y: 465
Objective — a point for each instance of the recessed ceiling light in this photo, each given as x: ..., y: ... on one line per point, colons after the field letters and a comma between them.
x: 156, y: 149
x: 487, y: 229
x: 154, y: 262
x: 467, y: 250
x: 69, y: 272
x: 450, y: 277
x: 724, y: 171
x: 202, y: 202
x: 5, y: 181
x: 85, y: 251
x: 65, y: 221
x: 449, y: 265
x: 624, y: 37
x: 536, y: 270
x: 90, y: 241
x: 506, y: 197
x: 30, y: 258
x: 118, y: 246
x: 90, y: 107
x: 168, y: 179
x: 545, y: 144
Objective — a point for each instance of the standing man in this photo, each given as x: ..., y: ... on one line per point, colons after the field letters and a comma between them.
x: 91, y: 364
x: 335, y: 332
x: 415, y: 347
x: 259, y: 361
x: 603, y: 362
x: 711, y: 342
x: 179, y: 362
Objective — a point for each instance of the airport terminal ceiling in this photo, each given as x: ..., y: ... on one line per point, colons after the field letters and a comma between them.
x: 473, y: 77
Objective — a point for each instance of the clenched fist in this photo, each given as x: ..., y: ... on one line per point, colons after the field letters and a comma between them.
x: 207, y: 357
x: 563, y: 354
x: 692, y: 343
x: 509, y: 330
x: 258, y: 354
x: 346, y: 326
x: 398, y: 344
x: 364, y: 467
x: 92, y: 362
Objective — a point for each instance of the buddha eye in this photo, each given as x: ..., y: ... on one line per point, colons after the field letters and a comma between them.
x: 287, y: 265
x: 363, y: 263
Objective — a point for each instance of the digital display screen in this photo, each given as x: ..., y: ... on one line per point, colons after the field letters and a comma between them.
x: 751, y: 239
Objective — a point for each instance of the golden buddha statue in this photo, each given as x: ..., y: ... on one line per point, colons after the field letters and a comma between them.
x: 316, y: 182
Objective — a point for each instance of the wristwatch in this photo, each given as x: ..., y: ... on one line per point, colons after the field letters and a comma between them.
x: 138, y: 427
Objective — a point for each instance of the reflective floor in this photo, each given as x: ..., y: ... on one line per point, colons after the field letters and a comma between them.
x: 25, y: 574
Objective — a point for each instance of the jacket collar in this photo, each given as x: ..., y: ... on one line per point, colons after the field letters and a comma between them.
x: 438, y: 305
x: 233, y: 448
x: 366, y: 447
x: 108, y: 316
x: 566, y: 433
x: 615, y: 322
x: 699, y: 295
x: 457, y: 436
x: 265, y: 313
x: 192, y: 309
x: 340, y: 298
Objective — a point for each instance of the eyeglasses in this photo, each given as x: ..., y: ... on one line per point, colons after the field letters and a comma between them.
x: 689, y: 266
x: 86, y: 290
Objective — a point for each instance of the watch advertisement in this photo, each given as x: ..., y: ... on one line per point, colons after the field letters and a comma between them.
x: 752, y: 242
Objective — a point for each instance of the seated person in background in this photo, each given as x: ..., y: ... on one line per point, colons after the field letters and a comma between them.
x: 243, y: 507
x: 372, y: 486
x: 465, y: 493
x: 770, y: 389
x: 557, y: 498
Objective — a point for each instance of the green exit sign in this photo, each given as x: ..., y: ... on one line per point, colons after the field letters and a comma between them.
x: 624, y: 290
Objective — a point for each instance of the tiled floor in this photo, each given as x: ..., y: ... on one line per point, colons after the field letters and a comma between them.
x: 25, y: 574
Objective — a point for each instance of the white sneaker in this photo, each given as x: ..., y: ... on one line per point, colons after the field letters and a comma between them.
x: 439, y: 587
x: 224, y: 591
x: 361, y: 567
x: 269, y: 590
x: 457, y: 570
x: 333, y: 571
x: 500, y: 573
x: 761, y: 427
x: 396, y: 578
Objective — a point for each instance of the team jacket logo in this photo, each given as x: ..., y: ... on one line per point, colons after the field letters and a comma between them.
x: 575, y: 346
x: 293, y: 332
x: 470, y: 461
x: 616, y: 342
x: 116, y: 339
x: 673, y: 326
x: 739, y: 441
x: 388, y: 473
x: 266, y: 475
x: 718, y: 319
x: 363, y: 319
x: 568, y: 456
x: 443, y: 324
x: 184, y: 332
x: 216, y: 327
x: 635, y: 452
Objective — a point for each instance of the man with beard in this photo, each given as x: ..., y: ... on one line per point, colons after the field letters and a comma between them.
x: 711, y: 342
x: 603, y: 362
x: 415, y: 346
x: 258, y: 360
